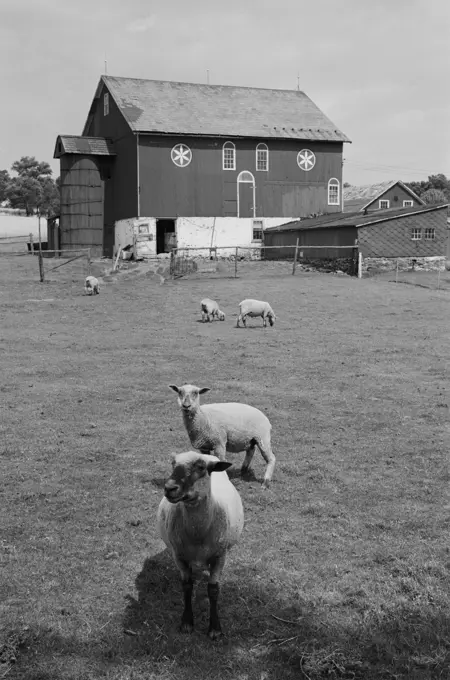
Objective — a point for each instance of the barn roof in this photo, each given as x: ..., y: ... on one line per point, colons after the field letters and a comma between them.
x: 356, y: 219
x: 365, y: 195
x: 169, y: 107
x: 94, y: 146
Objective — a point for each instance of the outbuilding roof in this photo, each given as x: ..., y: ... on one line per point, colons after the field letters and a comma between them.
x: 356, y: 219
x: 364, y: 195
x: 169, y: 107
x: 95, y: 146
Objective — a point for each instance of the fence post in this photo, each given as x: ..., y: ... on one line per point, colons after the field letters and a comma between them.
x: 439, y: 278
x: 295, y: 258
x: 359, y: 265
x: 235, y: 262
x: 41, y: 260
x: 31, y: 244
x: 89, y: 261
x: 396, y: 271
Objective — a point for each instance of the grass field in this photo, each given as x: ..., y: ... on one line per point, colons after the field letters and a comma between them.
x: 343, y: 569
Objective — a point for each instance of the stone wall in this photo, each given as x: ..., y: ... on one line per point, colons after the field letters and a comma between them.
x: 381, y: 264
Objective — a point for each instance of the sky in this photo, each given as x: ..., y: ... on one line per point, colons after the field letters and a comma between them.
x: 379, y: 69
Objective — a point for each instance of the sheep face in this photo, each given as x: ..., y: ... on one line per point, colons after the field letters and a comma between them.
x: 221, y: 316
x: 189, y: 396
x: 271, y: 316
x: 190, y: 479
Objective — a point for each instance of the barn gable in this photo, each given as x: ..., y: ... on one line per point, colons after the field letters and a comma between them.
x: 368, y: 197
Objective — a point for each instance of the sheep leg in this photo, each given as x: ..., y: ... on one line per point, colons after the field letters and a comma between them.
x: 250, y: 452
x: 219, y: 451
x: 267, y: 454
x: 216, y: 566
x: 187, y: 584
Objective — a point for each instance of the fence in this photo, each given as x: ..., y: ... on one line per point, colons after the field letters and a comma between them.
x: 430, y: 274
x: 234, y: 262
x: 46, y: 265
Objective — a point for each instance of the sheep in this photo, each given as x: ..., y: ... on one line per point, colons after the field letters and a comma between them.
x: 255, y: 308
x: 211, y: 308
x: 231, y: 426
x: 91, y: 286
x: 199, y: 519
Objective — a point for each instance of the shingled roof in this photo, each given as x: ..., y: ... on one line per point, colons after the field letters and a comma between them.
x: 219, y: 110
x: 94, y: 146
x: 363, y: 195
x: 356, y: 219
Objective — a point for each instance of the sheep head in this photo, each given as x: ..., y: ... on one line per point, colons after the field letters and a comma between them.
x: 221, y: 316
x: 190, y: 480
x: 271, y: 316
x: 189, y: 396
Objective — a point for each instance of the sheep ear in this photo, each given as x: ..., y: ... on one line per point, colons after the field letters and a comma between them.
x: 202, y: 390
x: 174, y: 388
x: 220, y: 466
x: 172, y: 459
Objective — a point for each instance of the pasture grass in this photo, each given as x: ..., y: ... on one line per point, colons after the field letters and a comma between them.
x: 343, y: 567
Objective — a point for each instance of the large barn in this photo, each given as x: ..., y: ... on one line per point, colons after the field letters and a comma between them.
x: 193, y: 165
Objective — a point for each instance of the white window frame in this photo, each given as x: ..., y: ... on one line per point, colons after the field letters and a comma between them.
x: 229, y: 146
x: 383, y: 207
x: 416, y: 233
x: 105, y: 103
x: 246, y: 181
x: 334, y: 182
x: 408, y: 204
x: 262, y: 149
x: 261, y: 223
x: 430, y: 234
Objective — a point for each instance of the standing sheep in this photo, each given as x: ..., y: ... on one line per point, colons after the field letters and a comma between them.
x: 199, y: 519
x: 211, y: 308
x: 91, y: 286
x: 255, y: 308
x: 231, y: 426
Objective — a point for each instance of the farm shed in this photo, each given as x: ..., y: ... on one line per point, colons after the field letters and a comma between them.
x: 418, y: 234
x: 381, y: 196
x: 175, y: 154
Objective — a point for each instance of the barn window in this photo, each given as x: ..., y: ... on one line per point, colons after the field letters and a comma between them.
x: 416, y: 233
x: 257, y: 230
x: 105, y: 104
x: 333, y: 192
x: 408, y: 204
x: 383, y: 204
x: 430, y: 234
x: 262, y: 157
x: 229, y: 156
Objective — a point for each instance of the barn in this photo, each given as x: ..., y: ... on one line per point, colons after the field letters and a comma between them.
x: 381, y: 196
x: 418, y: 234
x: 193, y: 164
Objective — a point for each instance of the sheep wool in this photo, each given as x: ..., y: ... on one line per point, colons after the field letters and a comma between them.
x: 91, y: 286
x: 199, y: 519
x: 230, y: 426
x: 254, y: 308
x: 210, y: 308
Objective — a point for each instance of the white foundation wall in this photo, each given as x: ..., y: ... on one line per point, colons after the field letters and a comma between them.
x: 141, y: 230
x: 221, y: 232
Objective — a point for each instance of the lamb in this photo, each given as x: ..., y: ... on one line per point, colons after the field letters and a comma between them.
x: 199, y: 519
x: 211, y: 308
x: 91, y: 286
x: 233, y: 427
x: 255, y: 308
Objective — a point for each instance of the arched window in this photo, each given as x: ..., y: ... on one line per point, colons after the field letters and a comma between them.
x: 246, y: 177
x: 262, y: 157
x: 333, y: 192
x: 229, y: 156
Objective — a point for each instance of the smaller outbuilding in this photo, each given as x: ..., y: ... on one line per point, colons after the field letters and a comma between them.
x: 418, y: 237
x: 381, y: 196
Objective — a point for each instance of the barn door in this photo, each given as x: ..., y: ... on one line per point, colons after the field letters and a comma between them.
x: 246, y: 194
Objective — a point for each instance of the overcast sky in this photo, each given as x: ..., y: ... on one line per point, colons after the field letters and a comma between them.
x: 378, y: 68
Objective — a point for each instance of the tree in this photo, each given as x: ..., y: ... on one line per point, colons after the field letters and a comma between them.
x: 346, y: 185
x: 4, y: 179
x: 33, y: 188
x: 434, y: 196
x: 437, y: 182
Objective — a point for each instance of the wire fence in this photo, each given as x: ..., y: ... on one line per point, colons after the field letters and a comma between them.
x: 431, y: 273
x: 235, y: 262
x: 45, y: 264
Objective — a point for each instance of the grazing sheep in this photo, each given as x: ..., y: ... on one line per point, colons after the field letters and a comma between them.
x: 199, y: 519
x: 231, y: 426
x: 211, y: 308
x: 255, y: 308
x: 91, y: 286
